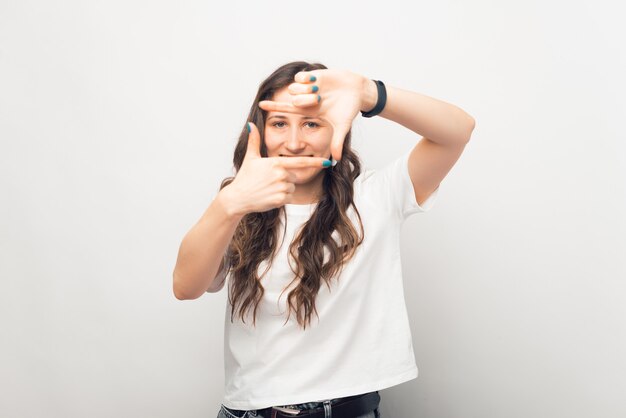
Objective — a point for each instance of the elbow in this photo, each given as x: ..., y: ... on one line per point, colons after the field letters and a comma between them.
x: 464, y: 131
x: 471, y: 124
x: 179, y: 291
x: 178, y: 294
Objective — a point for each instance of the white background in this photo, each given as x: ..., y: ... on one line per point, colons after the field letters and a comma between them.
x: 118, y: 121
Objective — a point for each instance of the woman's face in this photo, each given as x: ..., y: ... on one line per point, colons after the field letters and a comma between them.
x: 291, y: 134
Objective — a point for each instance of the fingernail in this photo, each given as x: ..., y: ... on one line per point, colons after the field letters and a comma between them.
x: 319, y: 98
x: 315, y: 88
x: 334, y: 162
x: 248, y: 125
x: 326, y: 163
x: 312, y: 78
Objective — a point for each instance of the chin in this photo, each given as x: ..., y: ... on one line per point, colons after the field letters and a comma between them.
x: 305, y: 175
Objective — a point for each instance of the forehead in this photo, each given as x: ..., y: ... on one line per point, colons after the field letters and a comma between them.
x: 282, y: 95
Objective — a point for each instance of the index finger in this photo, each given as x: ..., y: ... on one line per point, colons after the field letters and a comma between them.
x: 301, y: 103
x: 303, y: 162
x: 271, y: 106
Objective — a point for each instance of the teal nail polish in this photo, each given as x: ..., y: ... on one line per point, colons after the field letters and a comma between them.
x: 315, y: 88
x: 327, y: 163
x: 312, y: 78
x: 248, y: 126
x: 319, y: 98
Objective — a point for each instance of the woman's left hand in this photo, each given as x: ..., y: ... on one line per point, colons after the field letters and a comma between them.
x: 334, y: 95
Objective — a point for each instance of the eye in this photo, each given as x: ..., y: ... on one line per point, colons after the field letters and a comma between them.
x: 311, y: 125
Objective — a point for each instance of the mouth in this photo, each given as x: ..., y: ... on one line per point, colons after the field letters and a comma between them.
x: 284, y: 155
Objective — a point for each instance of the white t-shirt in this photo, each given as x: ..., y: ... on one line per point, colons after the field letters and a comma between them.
x: 362, y: 340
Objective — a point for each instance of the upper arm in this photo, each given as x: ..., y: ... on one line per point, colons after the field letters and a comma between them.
x: 429, y: 163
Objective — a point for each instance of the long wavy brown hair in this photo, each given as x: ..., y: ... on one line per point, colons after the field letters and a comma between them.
x: 256, y: 236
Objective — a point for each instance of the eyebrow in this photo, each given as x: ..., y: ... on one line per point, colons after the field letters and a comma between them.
x: 285, y: 117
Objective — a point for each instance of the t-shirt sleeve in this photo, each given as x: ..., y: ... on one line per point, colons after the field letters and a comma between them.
x: 392, y: 184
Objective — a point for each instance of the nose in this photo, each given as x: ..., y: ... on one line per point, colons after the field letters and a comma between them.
x: 295, y: 141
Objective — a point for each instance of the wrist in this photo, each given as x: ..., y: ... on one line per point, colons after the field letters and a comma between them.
x: 369, y: 95
x: 228, y: 205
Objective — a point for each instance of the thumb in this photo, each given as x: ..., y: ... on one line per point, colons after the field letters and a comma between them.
x: 339, y: 134
x: 254, y: 142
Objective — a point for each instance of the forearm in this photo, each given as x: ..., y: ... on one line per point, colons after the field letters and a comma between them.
x: 203, y: 248
x: 431, y: 118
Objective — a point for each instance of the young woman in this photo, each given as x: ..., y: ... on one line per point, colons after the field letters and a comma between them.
x: 316, y: 322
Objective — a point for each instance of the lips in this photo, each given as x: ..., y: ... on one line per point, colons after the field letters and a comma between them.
x: 283, y: 155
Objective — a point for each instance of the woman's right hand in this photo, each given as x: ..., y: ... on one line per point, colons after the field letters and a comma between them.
x: 264, y: 183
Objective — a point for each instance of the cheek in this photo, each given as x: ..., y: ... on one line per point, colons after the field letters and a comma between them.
x: 325, y: 141
x: 270, y: 143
